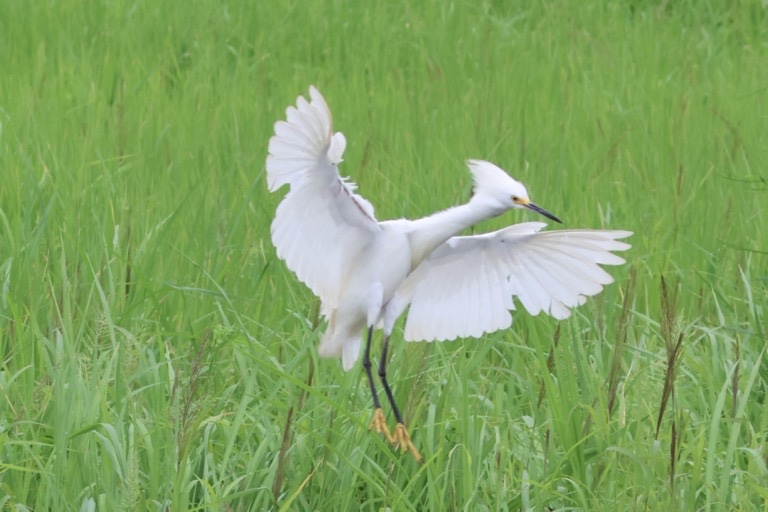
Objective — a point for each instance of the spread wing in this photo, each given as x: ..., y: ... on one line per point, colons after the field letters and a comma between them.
x: 465, y: 287
x: 321, y: 223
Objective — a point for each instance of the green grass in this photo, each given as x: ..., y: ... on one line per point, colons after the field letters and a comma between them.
x: 156, y: 355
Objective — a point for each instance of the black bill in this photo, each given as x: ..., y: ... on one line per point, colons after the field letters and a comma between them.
x: 539, y: 209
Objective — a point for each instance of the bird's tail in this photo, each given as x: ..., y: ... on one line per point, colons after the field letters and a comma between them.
x: 340, y: 342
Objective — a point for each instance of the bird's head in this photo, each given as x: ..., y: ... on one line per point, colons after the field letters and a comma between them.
x: 500, y: 190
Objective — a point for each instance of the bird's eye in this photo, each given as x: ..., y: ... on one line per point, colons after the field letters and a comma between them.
x: 515, y: 199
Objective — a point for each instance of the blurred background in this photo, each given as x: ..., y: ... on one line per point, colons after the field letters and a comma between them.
x: 155, y: 354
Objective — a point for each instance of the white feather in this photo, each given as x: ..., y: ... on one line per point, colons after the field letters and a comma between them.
x: 367, y: 273
x: 464, y: 287
x: 321, y: 224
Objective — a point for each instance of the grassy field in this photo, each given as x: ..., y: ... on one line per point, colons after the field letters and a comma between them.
x: 156, y: 355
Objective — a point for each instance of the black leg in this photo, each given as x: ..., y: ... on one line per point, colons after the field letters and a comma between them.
x: 383, y: 377
x: 367, y: 365
x: 401, y: 436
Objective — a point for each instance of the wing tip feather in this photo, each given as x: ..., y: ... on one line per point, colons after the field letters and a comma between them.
x: 306, y: 133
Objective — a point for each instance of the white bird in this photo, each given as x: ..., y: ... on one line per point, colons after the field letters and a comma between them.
x: 368, y: 272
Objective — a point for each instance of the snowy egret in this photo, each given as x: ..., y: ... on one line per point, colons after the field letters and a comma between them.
x: 367, y: 272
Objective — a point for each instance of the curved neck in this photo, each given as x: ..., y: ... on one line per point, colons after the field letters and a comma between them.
x: 428, y: 233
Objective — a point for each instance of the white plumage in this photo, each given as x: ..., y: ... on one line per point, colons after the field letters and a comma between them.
x: 367, y: 273
x: 551, y: 272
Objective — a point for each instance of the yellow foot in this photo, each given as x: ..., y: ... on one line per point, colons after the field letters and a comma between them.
x: 402, y: 438
x: 379, y: 424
